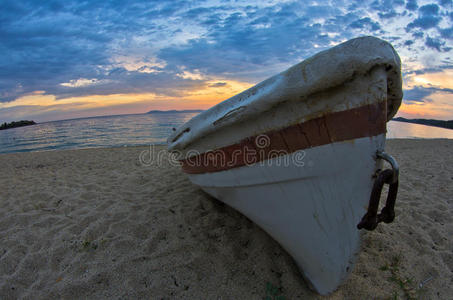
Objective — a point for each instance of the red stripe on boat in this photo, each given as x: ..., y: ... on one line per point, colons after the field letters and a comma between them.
x: 365, y: 121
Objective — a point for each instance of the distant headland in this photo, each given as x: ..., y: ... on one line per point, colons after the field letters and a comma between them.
x: 15, y: 124
x: 174, y: 111
x: 429, y: 122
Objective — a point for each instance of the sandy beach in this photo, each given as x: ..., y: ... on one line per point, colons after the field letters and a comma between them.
x: 100, y: 224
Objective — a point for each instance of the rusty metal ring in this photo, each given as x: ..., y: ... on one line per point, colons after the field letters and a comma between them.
x: 390, y: 176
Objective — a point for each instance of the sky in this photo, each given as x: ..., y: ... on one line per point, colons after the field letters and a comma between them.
x: 70, y: 59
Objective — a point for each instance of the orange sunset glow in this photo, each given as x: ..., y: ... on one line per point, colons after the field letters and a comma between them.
x: 40, y: 103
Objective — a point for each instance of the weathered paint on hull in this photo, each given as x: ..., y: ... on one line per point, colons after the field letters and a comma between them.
x: 311, y: 208
x: 364, y: 121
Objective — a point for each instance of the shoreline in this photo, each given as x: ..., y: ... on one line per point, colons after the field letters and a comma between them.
x: 97, y: 223
x: 165, y: 143
x: 86, y: 148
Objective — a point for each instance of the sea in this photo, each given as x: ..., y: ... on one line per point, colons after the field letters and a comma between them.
x: 140, y: 129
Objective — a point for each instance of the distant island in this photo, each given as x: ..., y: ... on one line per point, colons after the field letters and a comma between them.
x: 15, y: 124
x: 174, y: 111
x: 429, y: 122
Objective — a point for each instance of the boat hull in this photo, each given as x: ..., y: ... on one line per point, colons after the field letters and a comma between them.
x: 310, y: 201
x: 297, y: 153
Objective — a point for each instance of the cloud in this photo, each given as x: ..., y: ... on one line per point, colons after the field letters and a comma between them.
x: 447, y: 33
x: 412, y: 5
x: 421, y: 94
x: 408, y: 42
x: 388, y: 15
x: 428, y: 17
x: 429, y: 10
x: 424, y: 22
x: 386, y: 5
x: 436, y: 69
x: 218, y: 84
x: 74, y: 83
x: 434, y: 43
x: 418, y: 34
x: 365, y: 23
x: 417, y: 94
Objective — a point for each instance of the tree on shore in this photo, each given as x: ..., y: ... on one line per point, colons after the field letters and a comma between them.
x: 16, y: 124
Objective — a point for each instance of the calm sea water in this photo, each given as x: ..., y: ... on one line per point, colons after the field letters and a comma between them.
x: 145, y: 129
x: 110, y: 131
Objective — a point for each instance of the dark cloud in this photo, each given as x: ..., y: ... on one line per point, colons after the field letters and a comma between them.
x: 218, y: 84
x: 417, y: 94
x: 386, y: 8
x: 434, y: 43
x: 425, y: 22
x: 386, y: 5
x: 366, y: 23
x: 429, y: 10
x: 408, y: 42
x: 447, y: 33
x: 411, y: 5
x: 418, y: 34
x: 421, y: 94
x: 428, y: 17
x: 446, y: 66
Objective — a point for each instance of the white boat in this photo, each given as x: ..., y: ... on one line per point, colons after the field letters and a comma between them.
x: 300, y: 152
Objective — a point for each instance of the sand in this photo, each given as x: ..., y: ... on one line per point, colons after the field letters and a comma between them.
x: 97, y: 223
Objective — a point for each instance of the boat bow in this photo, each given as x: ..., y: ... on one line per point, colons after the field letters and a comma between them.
x: 297, y: 153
